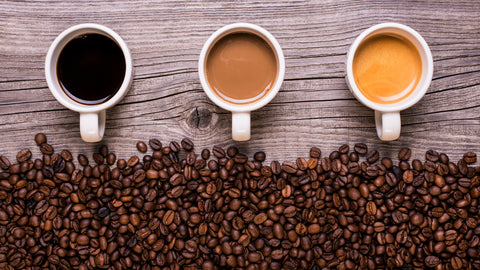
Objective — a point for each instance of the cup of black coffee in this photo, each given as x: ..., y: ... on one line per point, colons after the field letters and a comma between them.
x: 89, y: 69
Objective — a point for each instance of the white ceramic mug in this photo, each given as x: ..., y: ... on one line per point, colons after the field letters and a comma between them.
x: 92, y: 117
x: 387, y: 116
x: 241, y: 112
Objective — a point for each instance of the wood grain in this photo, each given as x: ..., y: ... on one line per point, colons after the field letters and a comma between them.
x: 313, y: 107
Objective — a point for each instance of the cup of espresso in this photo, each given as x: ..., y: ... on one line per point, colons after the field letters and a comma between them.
x: 88, y: 69
x: 241, y: 69
x: 389, y: 69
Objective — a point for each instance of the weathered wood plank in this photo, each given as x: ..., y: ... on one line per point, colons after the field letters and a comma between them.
x: 314, y: 106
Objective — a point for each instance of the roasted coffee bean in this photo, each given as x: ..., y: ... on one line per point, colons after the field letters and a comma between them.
x: 4, y: 162
x: 379, y: 227
x: 450, y: 235
x: 456, y: 263
x: 141, y: 146
x: 18, y: 233
x: 103, y: 150
x: 432, y: 155
x: 168, y: 217
x: 66, y: 155
x: 218, y: 152
x: 46, y: 149
x: 289, y: 167
x: 240, y: 158
x: 174, y: 146
x: 290, y: 211
x: 132, y: 161
x: 302, y: 164
x: 430, y: 166
x: 387, y: 162
x: 371, y: 208
x: 360, y: 148
x: 470, y: 157
x: 260, y: 218
x: 300, y: 229
x: 417, y: 219
x: 111, y: 158
x: 372, y: 156
x: 187, y: 144
x: 276, y: 167
x: 344, y: 148
x: 232, y: 151
x: 334, y: 155
x: 205, y: 154
x: 259, y: 156
x: 353, y: 194
x: 432, y: 261
x: 82, y: 159
x: 98, y: 158
x: 24, y: 155
x: 315, y: 152
x: 404, y: 154
x: 465, y: 182
x: 83, y: 240
x: 155, y: 144
x: 391, y: 179
x: 40, y: 139
x: 417, y: 165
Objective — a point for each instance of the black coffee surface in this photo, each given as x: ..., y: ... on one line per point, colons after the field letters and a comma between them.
x: 91, y: 68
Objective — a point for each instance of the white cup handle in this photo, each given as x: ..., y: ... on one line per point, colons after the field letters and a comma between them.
x: 241, y: 126
x: 388, y: 125
x: 92, y: 126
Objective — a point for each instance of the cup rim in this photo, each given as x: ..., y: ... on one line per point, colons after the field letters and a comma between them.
x: 419, y: 91
x: 241, y: 27
x: 52, y: 58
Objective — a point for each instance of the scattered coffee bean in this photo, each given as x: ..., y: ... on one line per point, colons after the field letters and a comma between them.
x: 82, y: 159
x: 155, y: 144
x: 174, y: 146
x: 187, y: 144
x: 40, y: 139
x: 4, y: 162
x: 205, y: 154
x: 315, y: 152
x: 218, y: 152
x: 432, y: 155
x: 98, y: 158
x: 470, y: 157
x: 372, y: 156
x: 404, y: 154
x: 24, y: 155
x: 360, y: 148
x: 259, y: 156
x: 180, y: 211
x: 142, y: 147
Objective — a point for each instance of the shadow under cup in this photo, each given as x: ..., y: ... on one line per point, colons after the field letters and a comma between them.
x: 385, y: 42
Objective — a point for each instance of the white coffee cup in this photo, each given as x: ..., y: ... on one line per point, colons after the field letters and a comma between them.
x: 241, y: 112
x: 92, y: 117
x: 387, y: 116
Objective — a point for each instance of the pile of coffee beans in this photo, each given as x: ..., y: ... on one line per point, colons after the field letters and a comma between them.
x: 171, y: 207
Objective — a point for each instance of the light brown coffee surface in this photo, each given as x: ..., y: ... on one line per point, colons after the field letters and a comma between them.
x: 241, y: 68
x: 387, y: 68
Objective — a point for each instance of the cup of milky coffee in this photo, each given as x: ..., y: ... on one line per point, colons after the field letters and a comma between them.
x: 89, y: 69
x: 389, y: 69
x: 241, y: 69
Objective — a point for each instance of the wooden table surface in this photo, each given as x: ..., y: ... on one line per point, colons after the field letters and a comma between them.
x: 313, y: 108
